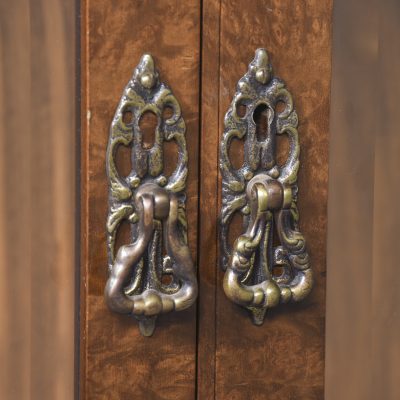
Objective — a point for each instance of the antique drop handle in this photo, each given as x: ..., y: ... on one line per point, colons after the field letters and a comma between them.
x: 153, y: 204
x: 267, y: 198
x: 261, y: 270
x: 155, y: 207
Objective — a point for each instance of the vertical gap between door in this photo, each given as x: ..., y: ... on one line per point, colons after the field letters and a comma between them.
x: 209, y: 64
x: 198, y: 198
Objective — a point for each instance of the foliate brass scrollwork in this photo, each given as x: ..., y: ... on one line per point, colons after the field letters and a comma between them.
x: 154, y: 205
x: 265, y: 193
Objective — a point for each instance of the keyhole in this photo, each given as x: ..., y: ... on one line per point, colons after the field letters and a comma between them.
x: 148, y: 124
x: 260, y: 117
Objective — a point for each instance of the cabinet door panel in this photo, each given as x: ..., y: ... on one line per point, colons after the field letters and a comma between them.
x: 116, y: 361
x: 284, y: 358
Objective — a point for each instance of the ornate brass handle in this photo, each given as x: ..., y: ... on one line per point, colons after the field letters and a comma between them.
x: 153, y: 203
x: 265, y: 193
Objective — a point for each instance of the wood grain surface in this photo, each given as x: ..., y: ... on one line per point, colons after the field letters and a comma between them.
x: 15, y: 316
x: 385, y: 295
x: 37, y: 215
x: 351, y: 203
x: 37, y: 210
x: 218, y: 368
x: 284, y: 358
x: 117, y: 362
x: 37, y: 200
x: 363, y: 297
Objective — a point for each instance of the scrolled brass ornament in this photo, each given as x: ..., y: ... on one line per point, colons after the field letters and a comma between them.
x: 265, y: 194
x: 153, y: 204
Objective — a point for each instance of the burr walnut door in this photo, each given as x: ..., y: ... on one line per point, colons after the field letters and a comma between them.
x: 283, y: 358
x: 201, y: 49
x: 116, y: 360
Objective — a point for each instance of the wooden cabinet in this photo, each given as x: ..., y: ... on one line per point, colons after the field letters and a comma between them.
x: 211, y: 350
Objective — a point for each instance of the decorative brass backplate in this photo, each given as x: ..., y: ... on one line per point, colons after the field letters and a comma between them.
x: 261, y: 270
x: 153, y: 204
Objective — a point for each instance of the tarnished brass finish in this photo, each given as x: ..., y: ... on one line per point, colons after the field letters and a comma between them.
x: 265, y: 193
x: 153, y: 203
